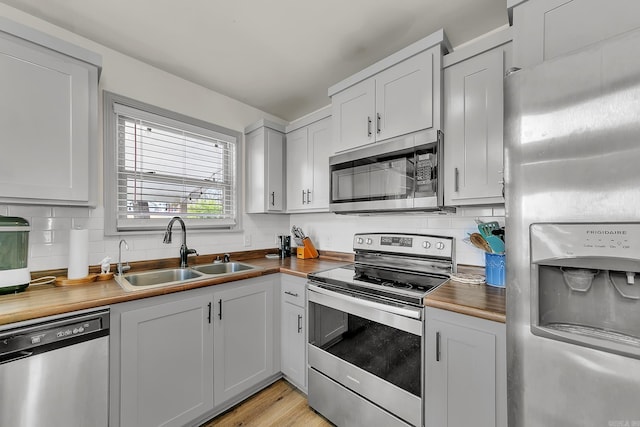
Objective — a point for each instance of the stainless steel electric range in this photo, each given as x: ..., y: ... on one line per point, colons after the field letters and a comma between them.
x: 366, y: 331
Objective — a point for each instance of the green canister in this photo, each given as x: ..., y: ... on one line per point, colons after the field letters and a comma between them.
x: 14, y: 254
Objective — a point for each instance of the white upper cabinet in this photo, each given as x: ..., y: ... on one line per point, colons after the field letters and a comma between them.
x: 353, y: 111
x: 404, y: 96
x: 473, y: 127
x: 308, y: 151
x: 48, y: 117
x: 547, y: 29
x: 395, y: 96
x: 264, y: 147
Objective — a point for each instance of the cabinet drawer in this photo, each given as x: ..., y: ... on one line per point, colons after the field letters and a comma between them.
x: 293, y: 290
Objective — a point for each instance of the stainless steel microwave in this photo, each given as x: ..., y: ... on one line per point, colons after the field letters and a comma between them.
x: 400, y: 174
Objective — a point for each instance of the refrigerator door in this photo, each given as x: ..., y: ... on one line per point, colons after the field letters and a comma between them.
x: 572, y: 154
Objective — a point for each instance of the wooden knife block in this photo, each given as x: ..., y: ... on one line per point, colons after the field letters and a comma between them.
x: 308, y: 250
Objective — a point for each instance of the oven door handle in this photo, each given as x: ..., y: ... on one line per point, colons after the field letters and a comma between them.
x: 408, y: 319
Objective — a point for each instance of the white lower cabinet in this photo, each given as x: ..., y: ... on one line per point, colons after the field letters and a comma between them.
x: 165, y: 361
x: 465, y: 371
x: 176, y: 359
x: 294, y: 331
x: 243, y: 335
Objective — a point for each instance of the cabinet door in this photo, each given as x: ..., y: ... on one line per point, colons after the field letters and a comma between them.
x: 293, y: 359
x: 45, y: 115
x: 320, y: 148
x: 264, y: 171
x: 463, y: 385
x: 404, y: 96
x: 353, y: 115
x: 166, y: 363
x: 243, y: 338
x: 473, y: 130
x: 298, y: 169
x: 275, y: 170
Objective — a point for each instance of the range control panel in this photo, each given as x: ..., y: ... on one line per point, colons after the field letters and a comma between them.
x: 411, y: 244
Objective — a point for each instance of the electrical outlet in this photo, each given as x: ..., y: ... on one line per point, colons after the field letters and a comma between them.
x: 247, y: 240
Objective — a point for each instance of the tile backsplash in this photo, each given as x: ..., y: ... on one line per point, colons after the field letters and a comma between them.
x: 335, y: 232
x: 50, y: 226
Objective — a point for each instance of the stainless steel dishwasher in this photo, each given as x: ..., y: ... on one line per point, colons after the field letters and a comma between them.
x: 54, y: 371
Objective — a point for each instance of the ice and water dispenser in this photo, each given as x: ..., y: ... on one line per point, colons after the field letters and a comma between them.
x: 585, y: 284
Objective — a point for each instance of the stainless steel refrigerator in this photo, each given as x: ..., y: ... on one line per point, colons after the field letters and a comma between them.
x: 572, y: 173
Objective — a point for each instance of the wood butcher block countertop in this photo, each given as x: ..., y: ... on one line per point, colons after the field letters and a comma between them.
x: 484, y: 301
x: 47, y: 300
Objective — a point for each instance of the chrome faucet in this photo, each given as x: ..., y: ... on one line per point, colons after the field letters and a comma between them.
x: 121, y: 269
x: 184, y: 251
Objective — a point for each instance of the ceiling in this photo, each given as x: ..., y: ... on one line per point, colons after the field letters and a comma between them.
x: 280, y: 56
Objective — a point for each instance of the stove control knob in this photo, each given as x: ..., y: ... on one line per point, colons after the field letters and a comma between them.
x: 369, y: 241
x: 440, y: 246
x: 426, y: 245
x: 360, y: 240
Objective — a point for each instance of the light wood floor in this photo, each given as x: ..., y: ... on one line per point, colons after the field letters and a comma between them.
x: 280, y: 405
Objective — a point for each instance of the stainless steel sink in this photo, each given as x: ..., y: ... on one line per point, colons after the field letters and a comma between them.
x: 175, y: 276
x: 157, y: 278
x: 223, y: 268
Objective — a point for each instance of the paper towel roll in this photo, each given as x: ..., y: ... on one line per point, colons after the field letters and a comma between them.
x: 78, y: 254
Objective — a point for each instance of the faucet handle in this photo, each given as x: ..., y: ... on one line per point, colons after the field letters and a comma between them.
x: 226, y: 258
x: 192, y: 251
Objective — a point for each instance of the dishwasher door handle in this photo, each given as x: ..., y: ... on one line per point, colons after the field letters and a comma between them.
x: 17, y: 356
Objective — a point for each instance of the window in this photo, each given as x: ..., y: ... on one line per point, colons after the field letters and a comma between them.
x: 159, y: 164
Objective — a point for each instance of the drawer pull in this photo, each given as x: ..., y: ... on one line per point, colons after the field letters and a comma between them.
x: 291, y: 293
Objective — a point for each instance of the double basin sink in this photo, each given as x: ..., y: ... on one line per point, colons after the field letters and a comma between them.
x: 174, y: 276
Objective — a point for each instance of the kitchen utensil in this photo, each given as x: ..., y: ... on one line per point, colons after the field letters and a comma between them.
x: 486, y: 228
x: 499, y: 232
x: 479, y: 242
x: 496, y: 244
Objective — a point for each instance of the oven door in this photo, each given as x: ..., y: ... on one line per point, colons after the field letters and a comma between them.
x: 372, y: 348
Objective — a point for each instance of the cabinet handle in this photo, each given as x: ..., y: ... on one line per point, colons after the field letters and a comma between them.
x: 378, y: 120
x: 437, y: 346
x: 209, y: 316
x: 273, y: 198
x: 303, y: 200
x: 456, y: 178
x: 368, y: 126
x: 308, y: 196
x: 220, y: 307
x: 299, y: 323
x: 291, y: 293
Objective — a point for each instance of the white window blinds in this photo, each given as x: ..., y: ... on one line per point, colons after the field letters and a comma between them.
x: 167, y: 168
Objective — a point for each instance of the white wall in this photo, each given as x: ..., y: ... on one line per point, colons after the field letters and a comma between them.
x: 127, y: 76
x: 335, y: 232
